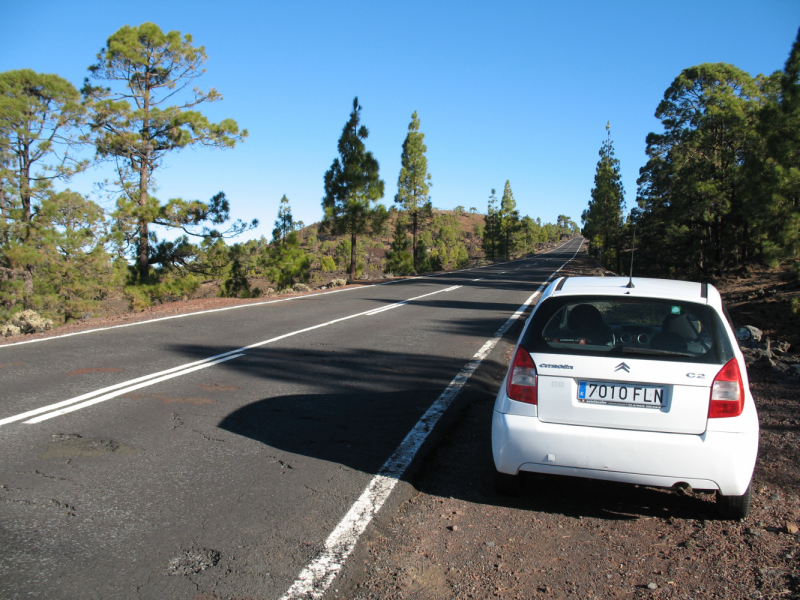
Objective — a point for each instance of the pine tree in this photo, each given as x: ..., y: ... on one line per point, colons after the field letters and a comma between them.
x: 774, y: 169
x: 414, y: 180
x: 693, y: 190
x: 284, y: 223
x: 490, y: 233
x: 603, y: 218
x: 508, y: 220
x: 353, y: 187
x: 40, y: 123
x: 136, y: 127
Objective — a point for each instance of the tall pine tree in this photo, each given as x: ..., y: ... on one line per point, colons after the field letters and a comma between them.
x: 492, y: 230
x: 603, y: 219
x: 508, y: 221
x: 414, y: 180
x: 138, y: 125
x: 284, y: 224
x: 353, y: 187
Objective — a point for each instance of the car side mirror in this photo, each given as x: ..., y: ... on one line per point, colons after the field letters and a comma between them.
x: 743, y: 333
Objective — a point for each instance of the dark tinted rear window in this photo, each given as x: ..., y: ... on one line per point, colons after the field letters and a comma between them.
x: 646, y: 328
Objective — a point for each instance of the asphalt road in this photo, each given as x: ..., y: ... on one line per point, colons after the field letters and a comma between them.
x: 224, y: 479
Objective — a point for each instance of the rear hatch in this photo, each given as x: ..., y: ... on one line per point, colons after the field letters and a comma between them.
x: 626, y: 362
x: 624, y: 393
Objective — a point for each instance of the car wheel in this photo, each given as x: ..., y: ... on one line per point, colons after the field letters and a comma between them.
x: 505, y: 484
x: 735, y: 508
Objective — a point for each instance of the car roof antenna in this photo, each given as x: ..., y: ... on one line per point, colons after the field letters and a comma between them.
x: 633, y: 249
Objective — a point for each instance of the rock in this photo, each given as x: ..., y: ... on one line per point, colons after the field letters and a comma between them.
x: 791, y: 528
x: 782, y: 347
x: 755, y: 332
x: 652, y: 586
x: 765, y: 362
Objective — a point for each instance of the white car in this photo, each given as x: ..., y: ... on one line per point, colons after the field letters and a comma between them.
x: 632, y: 380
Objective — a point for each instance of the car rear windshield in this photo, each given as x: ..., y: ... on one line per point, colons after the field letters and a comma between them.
x: 647, y: 328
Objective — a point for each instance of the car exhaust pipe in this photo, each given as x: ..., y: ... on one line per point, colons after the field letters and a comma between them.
x: 682, y: 489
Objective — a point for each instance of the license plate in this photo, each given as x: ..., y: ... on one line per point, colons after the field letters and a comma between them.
x: 604, y: 392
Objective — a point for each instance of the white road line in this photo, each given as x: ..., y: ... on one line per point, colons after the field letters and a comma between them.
x: 479, y: 279
x: 316, y: 578
x: 213, y: 310
x: 77, y: 399
x: 105, y: 397
x: 147, y: 380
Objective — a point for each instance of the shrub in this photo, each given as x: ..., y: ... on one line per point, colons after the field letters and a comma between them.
x: 327, y: 264
x: 29, y: 321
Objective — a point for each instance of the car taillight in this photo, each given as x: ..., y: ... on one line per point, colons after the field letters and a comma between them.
x: 522, y: 379
x: 727, y: 392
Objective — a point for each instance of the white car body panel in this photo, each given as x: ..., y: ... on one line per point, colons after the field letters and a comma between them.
x: 677, y: 443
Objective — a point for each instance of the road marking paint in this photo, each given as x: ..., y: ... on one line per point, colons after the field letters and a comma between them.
x: 404, y: 302
x: 213, y: 310
x: 147, y: 380
x: 105, y: 397
x: 315, y: 579
x: 479, y: 279
x: 188, y: 368
x: 77, y: 399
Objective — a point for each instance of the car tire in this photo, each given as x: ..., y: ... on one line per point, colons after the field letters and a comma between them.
x: 505, y: 484
x: 735, y: 508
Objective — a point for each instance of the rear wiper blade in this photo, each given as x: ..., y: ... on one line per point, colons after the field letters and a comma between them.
x: 628, y: 350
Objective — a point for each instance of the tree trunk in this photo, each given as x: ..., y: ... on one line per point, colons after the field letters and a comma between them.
x: 27, y: 293
x: 352, y: 257
x: 144, y: 242
x: 414, y: 229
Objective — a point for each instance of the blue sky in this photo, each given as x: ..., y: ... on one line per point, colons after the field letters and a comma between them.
x: 517, y: 91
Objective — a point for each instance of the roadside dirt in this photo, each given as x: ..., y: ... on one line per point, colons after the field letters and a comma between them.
x: 571, y: 538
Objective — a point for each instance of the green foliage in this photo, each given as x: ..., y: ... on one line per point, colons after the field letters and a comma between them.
x: 462, y: 257
x: 693, y: 189
x: 137, y: 127
x: 414, y: 181
x: 284, y: 223
x: 344, y: 251
x: 603, y: 219
x: 399, y: 259
x: 327, y: 264
x: 508, y: 222
x: 773, y: 166
x: 352, y: 187
x: 492, y: 231
x: 40, y: 120
x: 424, y: 241
x: 158, y: 287
x: 241, y: 260
x: 287, y: 263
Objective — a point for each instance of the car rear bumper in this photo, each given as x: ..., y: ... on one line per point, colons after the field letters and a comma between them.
x: 714, y: 460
